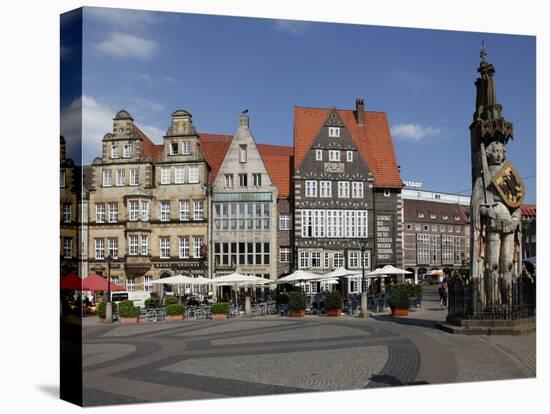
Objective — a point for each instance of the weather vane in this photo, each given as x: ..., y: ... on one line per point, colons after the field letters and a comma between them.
x: 482, y: 52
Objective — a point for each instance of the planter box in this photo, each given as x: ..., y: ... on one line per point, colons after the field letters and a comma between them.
x: 399, y: 312
x: 219, y: 316
x: 297, y: 313
x: 128, y: 320
x: 175, y: 317
x: 334, y: 312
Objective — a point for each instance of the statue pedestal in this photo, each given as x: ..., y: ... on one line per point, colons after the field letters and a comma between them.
x: 461, y: 326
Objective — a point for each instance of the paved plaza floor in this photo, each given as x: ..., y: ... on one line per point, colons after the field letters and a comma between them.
x: 197, y: 359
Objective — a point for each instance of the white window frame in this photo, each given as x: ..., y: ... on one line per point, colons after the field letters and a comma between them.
x: 338, y: 259
x: 127, y: 151
x: 67, y: 247
x: 243, y: 153
x: 194, y: 174
x: 133, y: 210
x: 325, y: 189
x: 134, y: 176
x: 164, y: 210
x: 256, y: 180
x: 349, y: 156
x: 179, y: 174
x: 100, y: 212
x: 186, y: 148
x: 184, y: 210
x: 229, y: 180
x: 113, y: 212
x: 115, y: 151
x: 285, y: 222
x: 67, y: 213
x: 183, y: 247
x: 165, y: 175
x: 319, y: 155
x: 133, y: 244
x: 357, y: 189
x: 107, y: 178
x: 334, y: 132
x: 387, y: 192
x: 311, y: 188
x: 243, y: 180
x: 99, y: 247
x: 144, y: 246
x: 130, y: 283
x: 112, y: 246
x: 285, y: 255
x: 164, y: 247
x: 120, y: 178
x: 171, y: 148
x: 198, y: 210
x: 343, y: 189
x: 334, y: 155
x: 148, y: 283
x: 144, y: 210
x: 197, y: 244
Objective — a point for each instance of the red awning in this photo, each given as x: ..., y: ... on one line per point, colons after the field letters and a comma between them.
x: 97, y: 283
x: 71, y: 281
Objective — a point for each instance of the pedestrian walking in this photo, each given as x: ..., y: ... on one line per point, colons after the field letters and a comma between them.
x: 443, y: 294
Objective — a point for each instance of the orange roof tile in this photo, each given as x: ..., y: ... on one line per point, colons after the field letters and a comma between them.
x: 529, y: 210
x: 277, y: 160
x: 151, y: 150
x: 373, y: 140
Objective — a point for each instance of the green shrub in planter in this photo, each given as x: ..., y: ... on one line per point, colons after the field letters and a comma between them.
x: 151, y: 303
x: 417, y: 291
x: 101, y: 308
x: 399, y: 297
x: 281, y: 299
x: 296, y: 301
x: 170, y: 300
x: 127, y: 309
x: 333, y: 300
x: 220, y: 308
x: 175, y: 309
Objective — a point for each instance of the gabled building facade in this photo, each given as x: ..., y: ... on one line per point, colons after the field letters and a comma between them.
x: 347, y: 188
x: 147, y: 206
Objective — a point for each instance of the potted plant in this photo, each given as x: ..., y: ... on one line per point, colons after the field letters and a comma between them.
x: 101, y: 310
x: 219, y: 310
x: 297, y: 304
x: 127, y: 312
x: 333, y: 303
x: 152, y: 302
x: 175, y: 312
x: 399, y: 300
x: 170, y: 300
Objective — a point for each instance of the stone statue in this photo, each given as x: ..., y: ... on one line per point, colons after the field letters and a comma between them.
x: 497, y: 193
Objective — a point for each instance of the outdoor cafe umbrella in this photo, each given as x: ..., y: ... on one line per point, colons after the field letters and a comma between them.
x: 235, y: 279
x: 388, y: 270
x: 173, y: 280
x: 71, y: 281
x: 96, y: 283
x: 298, y: 276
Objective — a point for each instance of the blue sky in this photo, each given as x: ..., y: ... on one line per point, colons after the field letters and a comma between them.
x: 214, y: 66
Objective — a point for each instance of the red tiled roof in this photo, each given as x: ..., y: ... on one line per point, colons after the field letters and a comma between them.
x: 277, y: 160
x: 150, y: 149
x: 529, y: 210
x: 413, y: 207
x: 373, y: 140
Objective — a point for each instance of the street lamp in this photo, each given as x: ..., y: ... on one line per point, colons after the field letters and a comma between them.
x: 109, y: 305
x: 364, y: 313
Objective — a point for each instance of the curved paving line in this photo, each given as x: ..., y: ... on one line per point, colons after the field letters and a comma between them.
x: 142, y: 349
x: 93, y: 398
x: 400, y: 369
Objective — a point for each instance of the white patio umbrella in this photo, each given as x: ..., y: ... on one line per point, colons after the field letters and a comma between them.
x: 173, y: 280
x: 298, y: 276
x: 341, y: 272
x: 388, y: 270
x: 235, y: 279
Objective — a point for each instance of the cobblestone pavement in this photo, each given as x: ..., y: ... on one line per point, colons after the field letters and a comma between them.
x: 163, y: 361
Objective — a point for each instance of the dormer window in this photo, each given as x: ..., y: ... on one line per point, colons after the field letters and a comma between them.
x: 333, y: 132
x: 243, y: 180
x: 256, y: 180
x: 115, y: 151
x: 432, y: 216
x: 457, y: 218
x: 420, y: 215
x: 173, y: 148
x: 445, y: 217
x: 186, y: 148
x: 334, y: 155
x: 349, y: 156
x: 242, y: 153
x: 228, y: 180
x: 127, y: 151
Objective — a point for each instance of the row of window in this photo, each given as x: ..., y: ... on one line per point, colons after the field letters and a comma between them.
x: 427, y: 239
x: 354, y: 286
x: 139, y: 245
x: 317, y: 259
x: 433, y: 217
x: 138, y: 209
x: 242, y: 216
x: 126, y: 150
x: 325, y: 189
x: 185, y: 148
x: 242, y: 180
x: 442, y: 228
x: 120, y: 177
x: 242, y: 253
x: 334, y: 223
x: 180, y: 176
x: 333, y: 155
x: 448, y: 256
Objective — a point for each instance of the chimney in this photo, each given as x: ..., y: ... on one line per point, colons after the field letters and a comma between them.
x: 360, y: 111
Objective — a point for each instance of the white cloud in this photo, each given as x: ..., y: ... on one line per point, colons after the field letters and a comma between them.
x: 294, y: 27
x: 414, y: 132
x: 124, y: 45
x: 120, y: 18
x: 97, y: 120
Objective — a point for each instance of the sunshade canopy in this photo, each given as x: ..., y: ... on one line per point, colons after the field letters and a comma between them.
x: 97, y: 283
x: 174, y: 280
x: 298, y: 276
x: 71, y: 281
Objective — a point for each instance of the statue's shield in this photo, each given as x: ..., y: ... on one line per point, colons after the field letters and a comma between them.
x: 509, y: 185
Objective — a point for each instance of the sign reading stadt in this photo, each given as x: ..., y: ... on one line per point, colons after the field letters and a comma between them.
x: 384, y: 238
